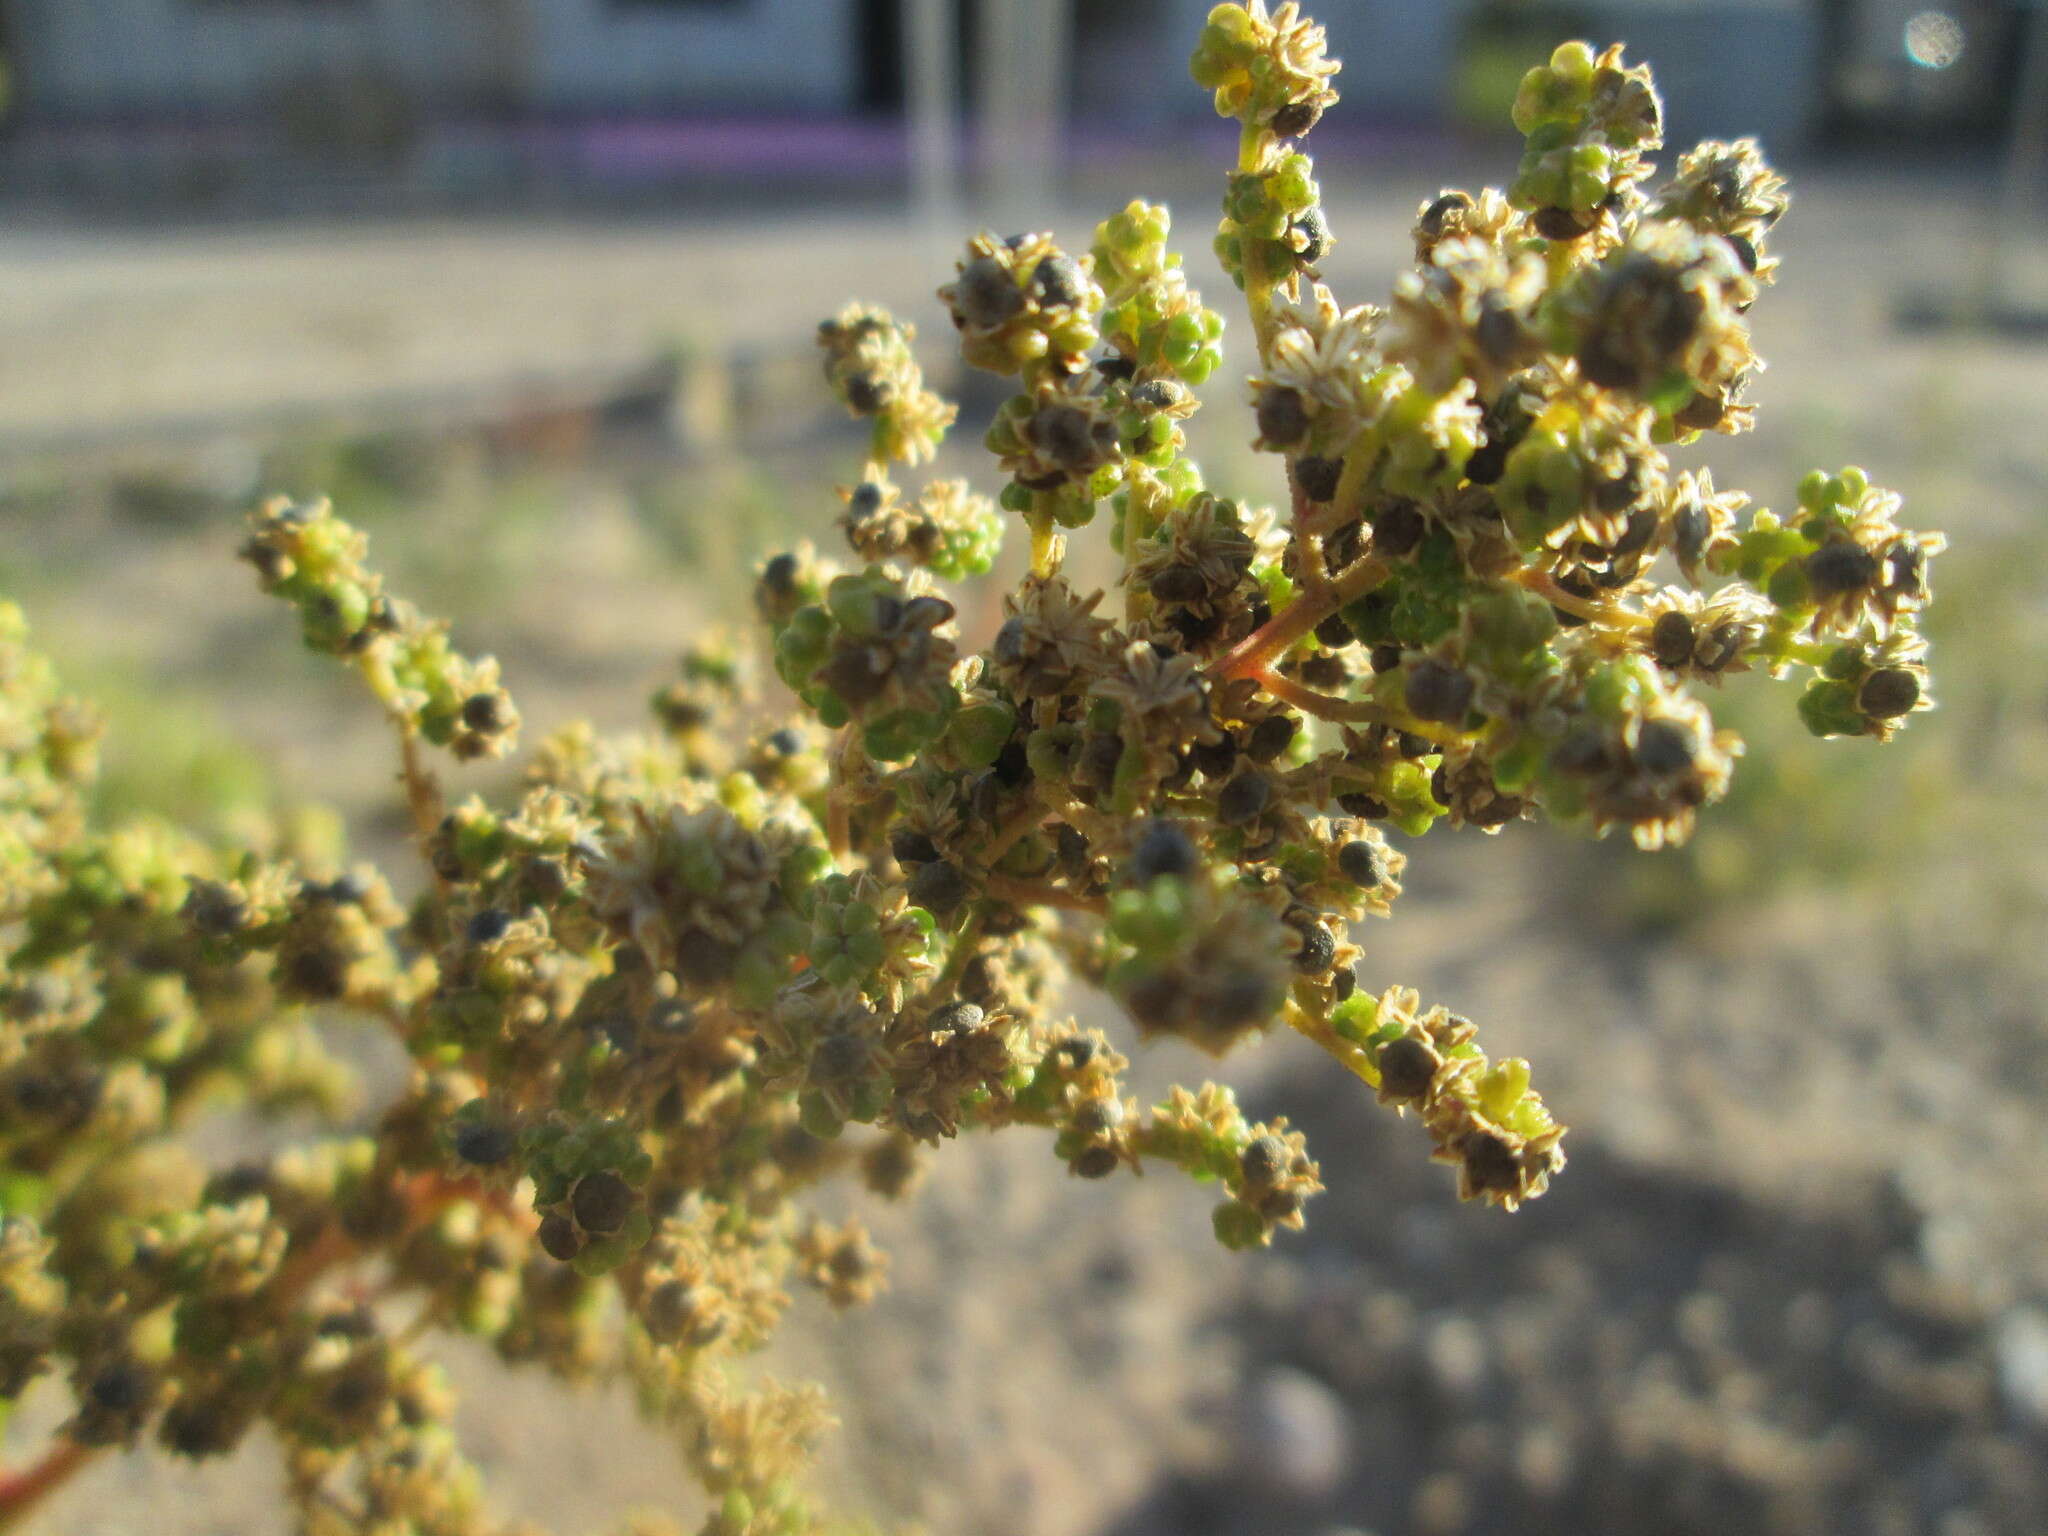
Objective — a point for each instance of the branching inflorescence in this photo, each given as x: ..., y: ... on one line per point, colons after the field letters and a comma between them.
x: 678, y: 979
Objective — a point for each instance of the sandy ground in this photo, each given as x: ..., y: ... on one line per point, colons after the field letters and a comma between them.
x: 1796, y: 1278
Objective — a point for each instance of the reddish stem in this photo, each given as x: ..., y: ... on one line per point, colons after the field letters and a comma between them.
x: 1287, y: 628
x: 21, y: 1492
x: 425, y: 1194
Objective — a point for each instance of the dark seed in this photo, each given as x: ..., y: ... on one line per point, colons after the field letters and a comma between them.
x: 1360, y: 863
x: 702, y: 959
x: 910, y: 846
x: 983, y: 294
x: 851, y: 674
x: 1098, y: 1117
x: 1491, y: 1164
x: 317, y: 973
x: 559, y: 1238
x: 1096, y: 1162
x: 119, y: 1388
x: 1242, y: 799
x: 1270, y: 737
x: 1178, y: 584
x: 1012, y: 767
x: 602, y: 1201
x: 1437, y: 691
x: 1397, y: 529
x: 1888, y: 693
x: 1431, y: 224
x: 866, y: 393
x: 1636, y: 534
x: 1296, y: 118
x: 1671, y: 639
x: 1163, y: 848
x: 1318, y: 951
x: 1263, y: 1162
x: 1703, y: 412
x: 1100, y: 753
x: 839, y: 1057
x: 865, y: 501
x: 1559, y: 224
x: 1499, y: 333
x: 547, y: 878
x: 487, y: 927
x: 1488, y: 463
x: 956, y: 1019
x: 1407, y: 1067
x: 1076, y: 1051
x: 1314, y: 231
x: 939, y: 887
x: 484, y: 1143
x: 1664, y: 748
x: 484, y: 713
x: 1318, y: 476
x: 1283, y: 418
x: 1191, y: 627
x: 1065, y: 433
x: 1840, y: 567
x: 1601, y: 364
x: 1057, y: 280
x: 1215, y: 758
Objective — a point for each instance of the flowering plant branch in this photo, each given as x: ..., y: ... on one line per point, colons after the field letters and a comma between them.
x: 678, y: 979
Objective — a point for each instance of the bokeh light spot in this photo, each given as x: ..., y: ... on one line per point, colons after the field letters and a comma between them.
x: 1934, y: 39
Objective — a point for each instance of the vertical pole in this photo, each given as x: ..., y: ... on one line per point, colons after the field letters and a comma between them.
x: 933, y: 99
x: 2026, y: 158
x: 2026, y: 161
x: 1023, y: 87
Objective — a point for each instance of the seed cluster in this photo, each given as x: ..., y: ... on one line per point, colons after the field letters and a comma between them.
x: 672, y: 981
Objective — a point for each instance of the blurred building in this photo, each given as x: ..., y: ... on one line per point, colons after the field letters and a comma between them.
x: 101, y: 59
x: 448, y: 90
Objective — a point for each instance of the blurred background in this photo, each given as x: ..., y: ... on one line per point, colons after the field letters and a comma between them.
x: 528, y: 287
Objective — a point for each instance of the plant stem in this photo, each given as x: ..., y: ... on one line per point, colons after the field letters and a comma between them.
x: 846, y: 761
x: 1141, y: 520
x: 964, y: 945
x: 1308, y: 549
x: 1343, y: 503
x: 423, y: 802
x: 1033, y: 893
x: 1294, y: 622
x: 1355, y: 1058
x: 1012, y: 832
x: 21, y: 1492
x: 1613, y: 615
x: 1045, y: 538
x: 1328, y: 706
